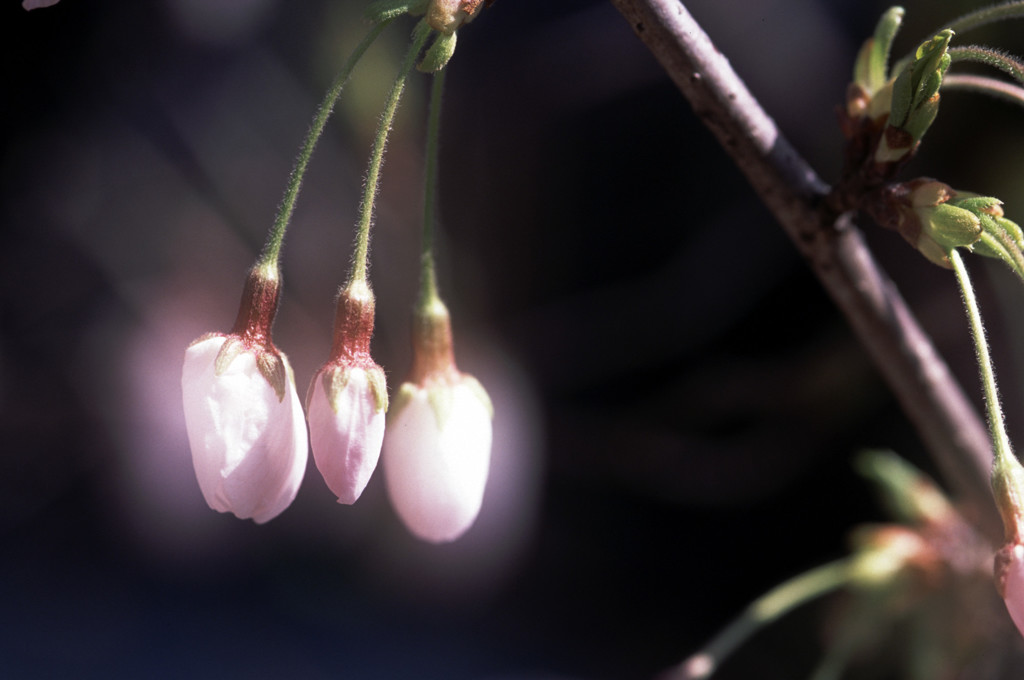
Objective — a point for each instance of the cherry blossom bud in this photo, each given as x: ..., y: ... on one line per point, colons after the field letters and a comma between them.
x: 437, y: 447
x: 242, y: 413
x: 347, y: 400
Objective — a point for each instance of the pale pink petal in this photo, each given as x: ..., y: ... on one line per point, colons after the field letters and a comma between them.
x: 346, y: 441
x: 436, y: 457
x: 249, y: 448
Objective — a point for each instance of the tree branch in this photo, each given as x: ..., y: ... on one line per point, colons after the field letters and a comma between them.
x: 833, y: 246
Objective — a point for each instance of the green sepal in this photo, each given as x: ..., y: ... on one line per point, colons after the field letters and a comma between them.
x: 870, y: 69
x: 1012, y: 230
x: 441, y: 396
x: 1001, y: 239
x: 979, y: 204
x: 922, y: 118
x: 275, y: 370
x: 379, y: 386
x: 336, y: 378
x: 404, y: 395
x: 902, y: 96
x: 232, y: 347
x: 930, y: 65
x: 438, y: 54
x: 334, y: 381
x: 953, y: 227
x: 918, y: 84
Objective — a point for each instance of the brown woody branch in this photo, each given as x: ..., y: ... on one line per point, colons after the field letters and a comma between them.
x: 831, y: 243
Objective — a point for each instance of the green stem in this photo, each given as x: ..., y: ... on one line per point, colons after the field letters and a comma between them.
x: 995, y: 87
x: 764, y: 610
x: 988, y: 15
x: 990, y: 57
x: 428, y: 274
x: 272, y: 249
x: 988, y: 377
x: 420, y: 35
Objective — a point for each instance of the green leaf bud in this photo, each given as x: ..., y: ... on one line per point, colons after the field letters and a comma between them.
x: 438, y: 54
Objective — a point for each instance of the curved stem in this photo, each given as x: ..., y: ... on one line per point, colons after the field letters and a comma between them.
x: 272, y: 249
x: 778, y: 601
x: 428, y: 275
x: 987, y: 15
x: 988, y: 376
x: 995, y: 87
x: 420, y: 35
x: 990, y: 57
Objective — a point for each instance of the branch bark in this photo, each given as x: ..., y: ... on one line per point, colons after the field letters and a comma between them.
x: 831, y: 243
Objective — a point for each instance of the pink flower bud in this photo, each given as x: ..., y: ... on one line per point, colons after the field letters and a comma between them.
x: 437, y: 446
x: 347, y: 400
x: 242, y: 413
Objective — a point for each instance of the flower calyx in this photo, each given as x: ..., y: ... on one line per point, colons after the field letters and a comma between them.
x: 350, y: 346
x: 242, y: 413
x: 252, y: 329
x: 930, y: 215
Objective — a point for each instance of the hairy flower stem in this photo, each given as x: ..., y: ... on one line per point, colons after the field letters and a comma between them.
x: 996, y: 425
x: 428, y: 275
x: 990, y: 57
x: 987, y: 15
x: 275, y: 238
x: 359, y: 264
x: 763, y: 611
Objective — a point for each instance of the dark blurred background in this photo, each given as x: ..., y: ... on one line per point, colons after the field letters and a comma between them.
x: 677, y: 401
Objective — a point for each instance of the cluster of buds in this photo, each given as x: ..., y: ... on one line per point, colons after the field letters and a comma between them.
x: 935, y: 218
x: 443, y: 16
x: 244, y: 419
x: 887, y: 113
x: 248, y: 435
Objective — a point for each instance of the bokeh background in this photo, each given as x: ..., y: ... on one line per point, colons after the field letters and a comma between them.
x: 677, y: 401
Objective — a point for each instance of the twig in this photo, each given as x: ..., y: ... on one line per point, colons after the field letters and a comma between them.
x: 932, y: 399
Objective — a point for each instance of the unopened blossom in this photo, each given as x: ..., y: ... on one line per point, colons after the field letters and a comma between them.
x: 347, y: 400
x: 437, y: 446
x: 243, y: 415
